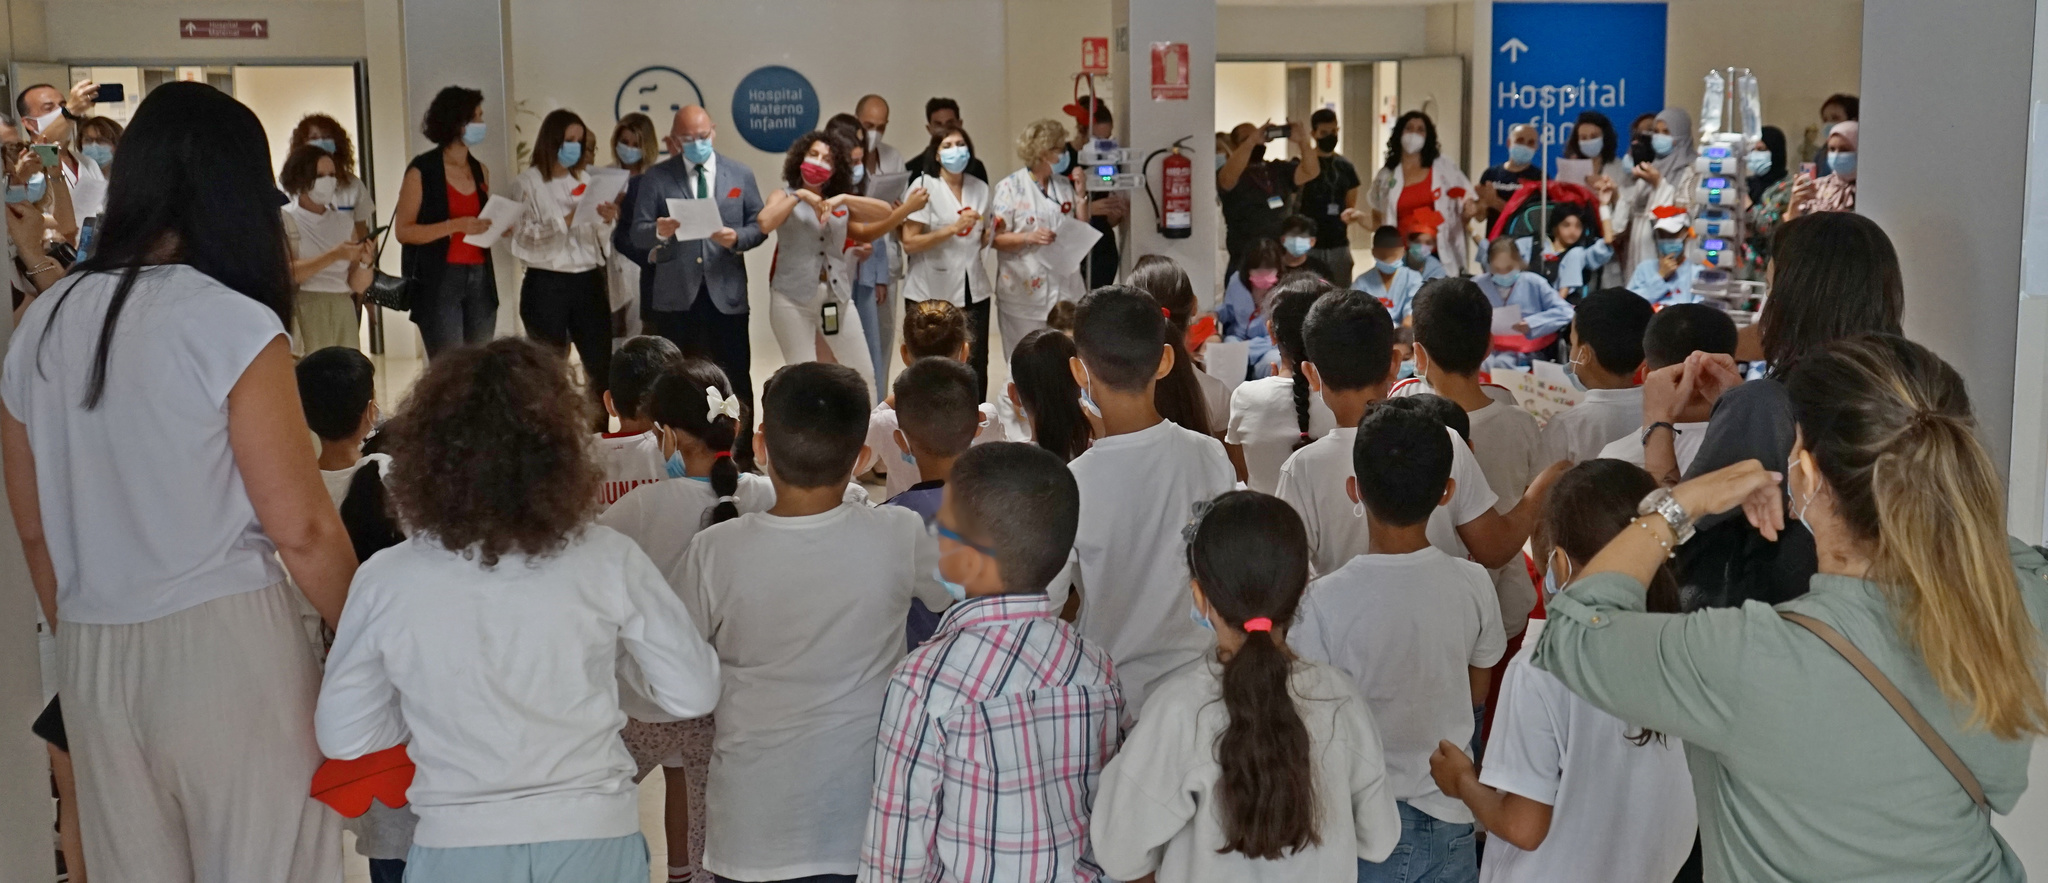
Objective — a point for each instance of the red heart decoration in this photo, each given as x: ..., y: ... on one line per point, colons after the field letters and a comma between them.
x: 348, y: 785
x: 735, y: 194
x: 1457, y: 193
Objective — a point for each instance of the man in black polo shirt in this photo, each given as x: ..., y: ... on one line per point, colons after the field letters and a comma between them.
x: 1331, y: 198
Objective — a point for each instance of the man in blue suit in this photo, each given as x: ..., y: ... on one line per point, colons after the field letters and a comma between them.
x: 698, y: 296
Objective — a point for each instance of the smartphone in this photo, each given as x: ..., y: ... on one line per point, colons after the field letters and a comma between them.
x: 828, y: 316
x: 47, y: 153
x: 375, y: 233
x: 1807, y: 169
x: 1640, y: 151
x: 1276, y: 133
x: 110, y: 93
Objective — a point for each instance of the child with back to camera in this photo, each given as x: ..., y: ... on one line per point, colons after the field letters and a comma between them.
x: 492, y: 638
x: 1606, y: 355
x: 1272, y: 417
x: 937, y: 419
x: 930, y: 328
x: 632, y: 455
x: 1044, y: 394
x: 1254, y: 764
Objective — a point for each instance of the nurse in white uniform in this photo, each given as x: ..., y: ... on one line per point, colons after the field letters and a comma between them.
x: 945, y: 240
x: 811, y: 308
x: 1029, y: 207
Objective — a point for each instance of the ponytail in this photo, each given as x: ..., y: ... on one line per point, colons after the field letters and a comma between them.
x: 1178, y: 396
x: 679, y: 401
x: 1290, y: 301
x: 1249, y: 557
x: 1301, y: 408
x: 1889, y: 427
x: 1051, y: 398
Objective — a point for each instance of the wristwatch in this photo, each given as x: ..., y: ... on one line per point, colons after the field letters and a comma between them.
x: 1661, y: 503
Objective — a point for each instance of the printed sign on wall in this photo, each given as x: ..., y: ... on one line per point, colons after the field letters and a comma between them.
x: 1543, y: 75
x: 1095, y: 55
x: 774, y: 106
x: 1169, y: 72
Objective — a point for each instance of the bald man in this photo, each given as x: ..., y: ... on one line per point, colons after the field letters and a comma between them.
x: 1499, y: 183
x: 698, y: 298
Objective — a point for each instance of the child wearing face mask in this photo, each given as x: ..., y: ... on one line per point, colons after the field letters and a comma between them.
x: 1242, y: 313
x: 1667, y: 278
x: 1543, y: 312
x: 1419, y: 231
x: 937, y: 420
x: 1392, y: 280
x: 324, y: 253
x: 632, y: 455
x: 1297, y: 240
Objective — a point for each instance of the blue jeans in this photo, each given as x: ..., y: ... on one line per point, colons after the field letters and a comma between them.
x: 870, y: 324
x: 1431, y: 851
x: 462, y: 310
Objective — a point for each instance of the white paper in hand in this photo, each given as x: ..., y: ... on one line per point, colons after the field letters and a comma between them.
x: 1072, y: 241
x: 1504, y: 319
x: 698, y: 218
x: 603, y: 187
x: 1227, y: 361
x: 502, y: 213
x: 889, y: 187
x: 1574, y: 171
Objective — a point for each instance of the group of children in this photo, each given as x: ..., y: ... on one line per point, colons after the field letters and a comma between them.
x: 1084, y: 652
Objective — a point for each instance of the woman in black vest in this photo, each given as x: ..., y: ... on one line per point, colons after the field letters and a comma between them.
x: 454, y: 294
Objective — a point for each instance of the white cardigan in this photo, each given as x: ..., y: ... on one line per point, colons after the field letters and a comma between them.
x: 1451, y: 188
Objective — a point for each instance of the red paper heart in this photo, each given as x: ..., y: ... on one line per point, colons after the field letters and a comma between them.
x: 348, y: 785
x: 735, y: 194
x: 1457, y: 193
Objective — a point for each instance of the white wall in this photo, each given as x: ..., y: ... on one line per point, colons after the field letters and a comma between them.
x: 1042, y: 52
x: 281, y: 95
x: 312, y: 29
x: 1310, y: 32
x: 1800, y: 52
x: 1250, y: 92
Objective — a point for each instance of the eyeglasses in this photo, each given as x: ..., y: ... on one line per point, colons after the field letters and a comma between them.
x: 940, y: 531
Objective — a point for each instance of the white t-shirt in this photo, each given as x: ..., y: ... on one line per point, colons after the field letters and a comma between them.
x: 948, y: 271
x: 1216, y: 395
x: 88, y: 185
x: 1509, y: 446
x: 354, y: 199
x: 1407, y: 628
x: 1157, y: 807
x: 902, y: 470
x: 664, y: 516
x: 143, y: 506
x: 313, y: 234
x: 1601, y: 417
x: 1263, y: 422
x: 337, y: 480
x: 1313, y: 482
x: 807, y: 614
x: 1686, y: 444
x: 1138, y: 490
x: 506, y: 682
x: 1621, y: 813
x: 629, y: 461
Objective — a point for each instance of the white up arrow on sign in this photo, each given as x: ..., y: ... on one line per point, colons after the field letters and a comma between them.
x: 1514, y: 47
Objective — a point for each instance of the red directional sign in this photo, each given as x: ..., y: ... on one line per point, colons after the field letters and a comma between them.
x: 224, y: 28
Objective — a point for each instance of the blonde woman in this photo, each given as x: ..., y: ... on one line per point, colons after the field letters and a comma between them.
x: 1028, y: 208
x: 1809, y: 772
x: 635, y: 148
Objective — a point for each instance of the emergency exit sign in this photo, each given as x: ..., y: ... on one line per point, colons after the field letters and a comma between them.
x: 224, y: 28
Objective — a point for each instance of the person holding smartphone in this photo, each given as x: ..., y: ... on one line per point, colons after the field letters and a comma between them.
x: 49, y: 115
x: 324, y: 252
x: 31, y: 269
x: 1256, y: 192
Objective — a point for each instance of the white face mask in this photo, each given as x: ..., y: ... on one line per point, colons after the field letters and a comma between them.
x: 44, y: 122
x: 1412, y: 142
x: 323, y: 188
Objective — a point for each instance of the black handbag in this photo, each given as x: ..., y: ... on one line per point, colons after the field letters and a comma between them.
x: 387, y: 291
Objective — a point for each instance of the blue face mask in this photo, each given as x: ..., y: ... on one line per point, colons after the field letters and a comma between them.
x: 1407, y: 369
x: 30, y: 192
x: 955, y: 158
x: 954, y: 590
x: 1521, y: 154
x: 1670, y: 247
x: 1590, y: 147
x: 860, y: 173
x: 697, y: 151
x: 1061, y: 165
x: 1571, y: 373
x: 326, y: 144
x: 474, y: 133
x: 675, y: 465
x: 1842, y: 162
x: 1221, y: 158
x: 1195, y: 613
x: 1505, y: 281
x: 628, y: 154
x: 1759, y: 162
x: 1298, y: 245
x: 1661, y: 144
x: 1387, y: 267
x: 100, y: 154
x: 569, y: 154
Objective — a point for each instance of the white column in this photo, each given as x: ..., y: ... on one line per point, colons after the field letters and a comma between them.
x: 1149, y: 125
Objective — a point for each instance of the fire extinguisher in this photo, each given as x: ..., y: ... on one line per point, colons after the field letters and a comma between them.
x: 1177, y: 176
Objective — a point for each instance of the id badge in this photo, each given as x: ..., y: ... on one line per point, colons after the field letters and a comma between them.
x: 1334, y: 209
x: 1275, y: 202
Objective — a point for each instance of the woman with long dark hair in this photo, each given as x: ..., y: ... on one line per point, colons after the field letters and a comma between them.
x: 1252, y: 764
x: 562, y: 299
x: 158, y: 472
x: 454, y: 293
x: 1419, y: 176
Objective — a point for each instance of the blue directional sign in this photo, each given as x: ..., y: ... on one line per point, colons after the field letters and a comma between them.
x: 1552, y: 61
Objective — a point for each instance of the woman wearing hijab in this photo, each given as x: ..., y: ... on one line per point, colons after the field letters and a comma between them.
x: 1665, y: 181
x: 1837, y: 191
x: 1770, y: 192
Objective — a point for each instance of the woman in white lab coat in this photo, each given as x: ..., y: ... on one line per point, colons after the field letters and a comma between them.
x: 945, y: 240
x: 1029, y: 207
x: 1593, y: 139
x: 1666, y: 181
x: 1418, y: 175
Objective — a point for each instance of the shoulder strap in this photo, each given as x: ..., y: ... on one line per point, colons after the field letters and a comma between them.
x: 1899, y: 703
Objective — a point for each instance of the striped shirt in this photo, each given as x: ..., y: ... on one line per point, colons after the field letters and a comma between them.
x: 994, y: 736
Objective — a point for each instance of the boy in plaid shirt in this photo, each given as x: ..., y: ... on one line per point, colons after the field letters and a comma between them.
x: 995, y: 732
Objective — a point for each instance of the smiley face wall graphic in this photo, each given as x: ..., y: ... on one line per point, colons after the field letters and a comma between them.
x: 659, y: 92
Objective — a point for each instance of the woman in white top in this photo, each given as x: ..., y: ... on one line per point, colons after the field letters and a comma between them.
x: 325, y: 253
x: 1253, y: 764
x: 158, y: 468
x: 1571, y: 792
x: 818, y: 217
x: 1594, y: 140
x: 634, y: 149
x: 1666, y: 181
x: 1418, y: 175
x: 563, y: 297
x: 1029, y: 206
x: 945, y: 239
x: 351, y: 196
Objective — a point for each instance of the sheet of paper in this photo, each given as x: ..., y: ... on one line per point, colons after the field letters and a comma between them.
x: 698, y: 217
x: 502, y: 213
x: 604, y: 187
x: 1573, y: 171
x: 1504, y: 319
x: 1072, y: 240
x: 889, y: 186
x: 1227, y: 361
